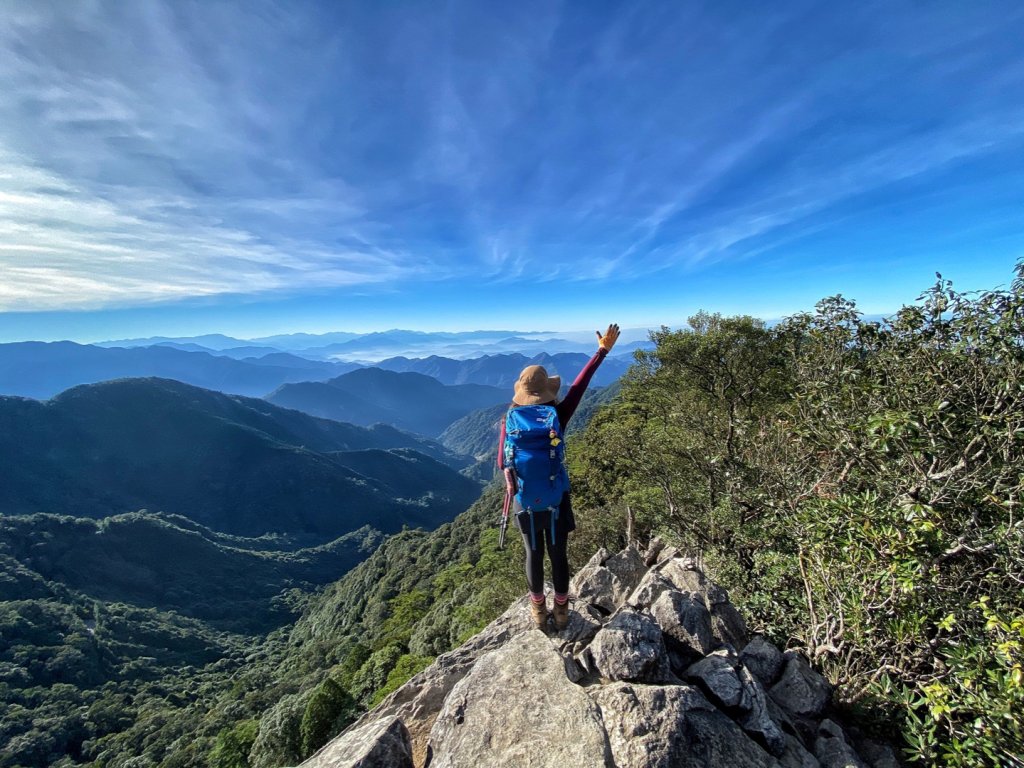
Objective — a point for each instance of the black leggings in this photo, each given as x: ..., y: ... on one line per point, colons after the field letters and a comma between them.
x: 535, y: 558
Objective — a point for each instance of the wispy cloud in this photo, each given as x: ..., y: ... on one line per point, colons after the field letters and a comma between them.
x: 61, y: 249
x: 157, y: 151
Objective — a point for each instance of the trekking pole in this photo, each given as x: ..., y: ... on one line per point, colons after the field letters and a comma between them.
x: 504, y: 519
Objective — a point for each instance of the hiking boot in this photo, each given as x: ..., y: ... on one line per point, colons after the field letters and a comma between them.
x: 561, y: 615
x: 539, y: 611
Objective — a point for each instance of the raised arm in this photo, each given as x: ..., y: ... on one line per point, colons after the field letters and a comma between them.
x: 572, y: 398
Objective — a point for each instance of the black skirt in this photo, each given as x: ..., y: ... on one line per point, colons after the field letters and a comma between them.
x: 565, y: 524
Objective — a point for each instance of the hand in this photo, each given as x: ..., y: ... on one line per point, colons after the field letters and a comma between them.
x: 607, y: 341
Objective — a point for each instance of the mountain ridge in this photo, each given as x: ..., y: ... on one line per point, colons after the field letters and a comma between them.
x: 240, y: 465
x: 409, y: 400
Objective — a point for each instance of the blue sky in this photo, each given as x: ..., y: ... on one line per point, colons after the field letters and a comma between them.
x: 260, y: 167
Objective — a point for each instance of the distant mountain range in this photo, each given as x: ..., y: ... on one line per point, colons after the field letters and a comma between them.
x: 233, y: 464
x: 369, y: 348
x: 503, y: 370
x: 410, y: 401
x: 41, y: 370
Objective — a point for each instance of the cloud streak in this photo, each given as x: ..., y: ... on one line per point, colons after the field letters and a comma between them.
x: 151, y: 152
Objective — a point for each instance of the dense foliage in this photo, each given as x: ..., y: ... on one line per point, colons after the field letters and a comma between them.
x: 88, y: 678
x: 858, y: 484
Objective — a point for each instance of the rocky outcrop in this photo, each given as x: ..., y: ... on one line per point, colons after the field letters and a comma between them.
x: 654, y: 670
x: 516, y: 708
x: 380, y: 743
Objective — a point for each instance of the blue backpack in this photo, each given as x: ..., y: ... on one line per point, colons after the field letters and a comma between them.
x: 535, y: 451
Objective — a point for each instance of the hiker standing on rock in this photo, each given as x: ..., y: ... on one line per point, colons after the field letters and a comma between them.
x: 531, y: 454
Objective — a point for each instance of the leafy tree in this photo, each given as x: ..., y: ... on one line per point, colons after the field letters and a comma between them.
x: 231, y: 750
x: 328, y: 711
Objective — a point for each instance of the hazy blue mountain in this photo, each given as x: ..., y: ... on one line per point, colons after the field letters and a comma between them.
x: 234, y: 464
x: 411, y: 401
x: 41, y: 370
x: 208, y: 341
x: 376, y: 346
x: 247, y: 351
x: 476, y: 433
x: 288, y: 360
x: 503, y: 370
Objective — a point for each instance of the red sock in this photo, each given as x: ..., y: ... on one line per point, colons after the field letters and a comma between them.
x: 537, y: 597
x: 561, y: 599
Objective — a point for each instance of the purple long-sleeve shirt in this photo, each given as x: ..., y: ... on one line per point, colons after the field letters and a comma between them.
x: 568, y: 405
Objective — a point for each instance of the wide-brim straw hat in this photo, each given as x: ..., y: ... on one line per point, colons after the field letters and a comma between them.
x: 535, y: 386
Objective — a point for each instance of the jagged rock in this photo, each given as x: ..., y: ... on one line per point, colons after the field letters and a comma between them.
x: 598, y: 586
x: 514, y: 696
x: 877, y: 755
x: 631, y: 647
x: 800, y: 690
x: 599, y: 557
x: 654, y: 548
x: 628, y: 567
x: 687, y: 578
x: 672, y: 726
x: 684, y: 619
x: 832, y: 750
x: 763, y: 659
x: 584, y: 623
x: 649, y: 589
x: 716, y: 676
x: 516, y: 708
x: 383, y: 743
x: 757, y: 721
x: 796, y: 755
x: 418, y: 701
x: 667, y: 554
x: 727, y: 626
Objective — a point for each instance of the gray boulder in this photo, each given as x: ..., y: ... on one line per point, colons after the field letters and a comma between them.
x: 800, y: 690
x: 672, y: 726
x: 628, y: 567
x: 832, y: 749
x: 649, y: 589
x: 685, y: 620
x: 728, y: 626
x: 796, y: 755
x: 631, y: 647
x: 763, y: 659
x: 757, y: 720
x: 383, y: 743
x: 598, y: 586
x: 654, y: 549
x: 686, y: 577
x: 419, y: 700
x: 517, y: 708
x: 716, y: 676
